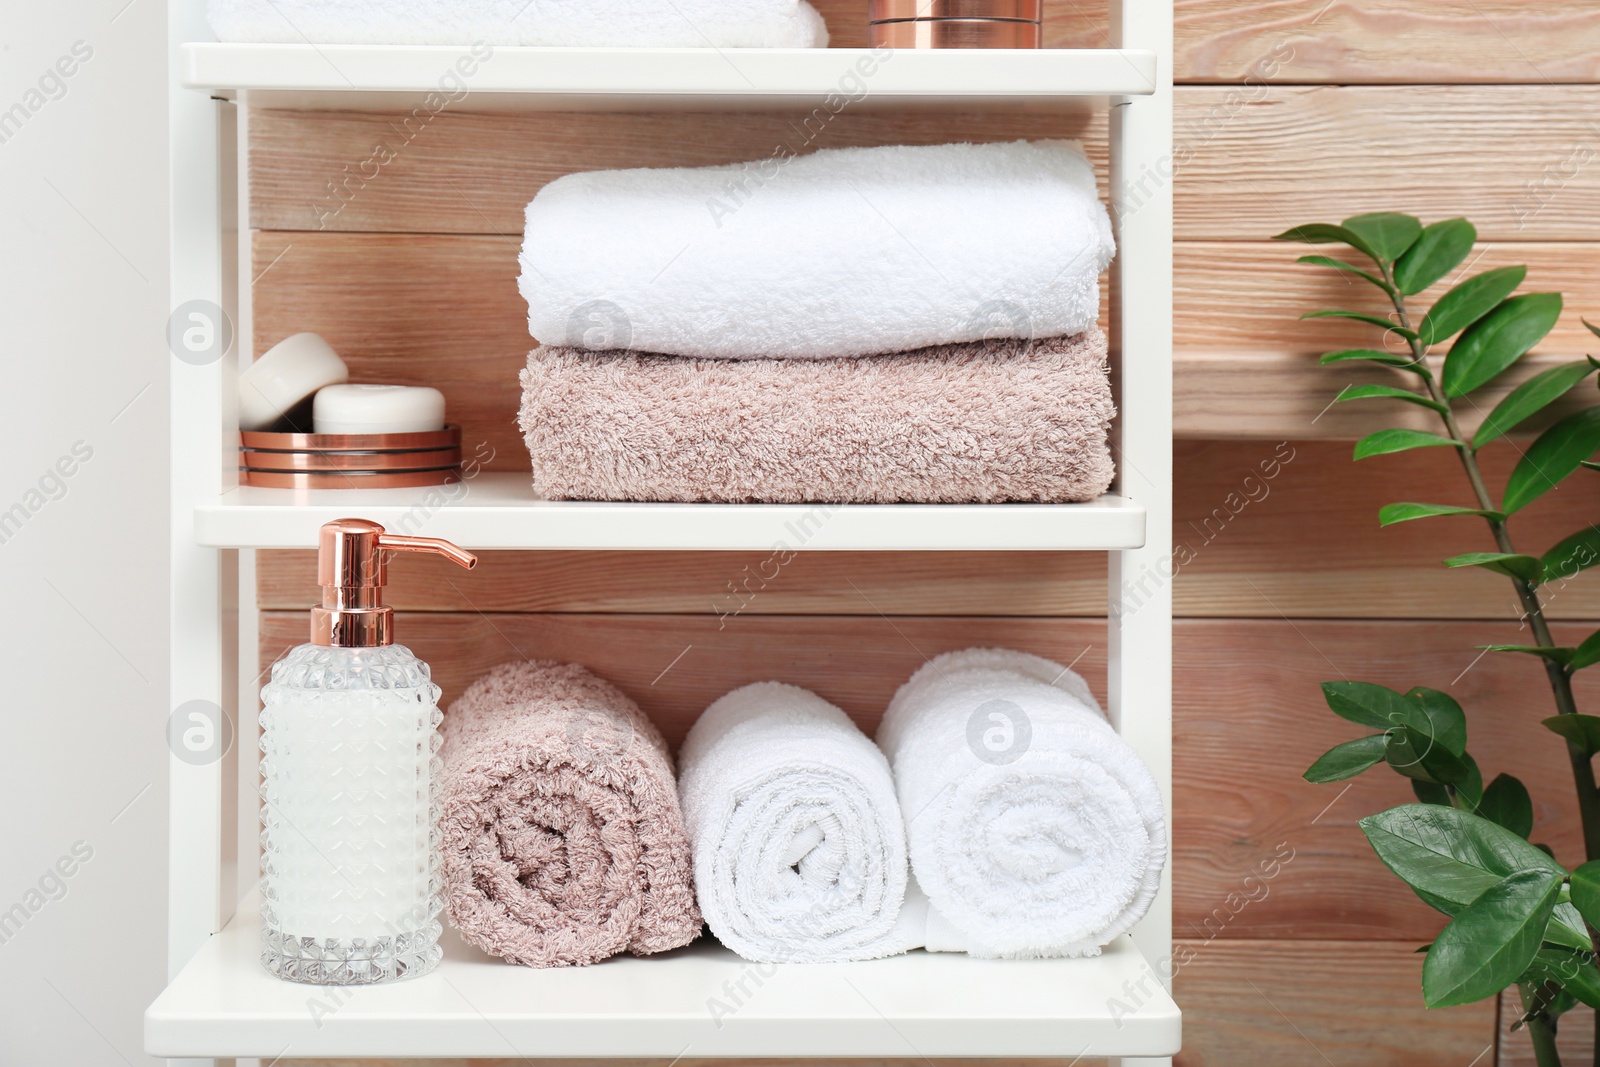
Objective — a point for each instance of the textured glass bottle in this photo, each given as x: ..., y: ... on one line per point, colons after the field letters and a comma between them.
x: 350, y: 740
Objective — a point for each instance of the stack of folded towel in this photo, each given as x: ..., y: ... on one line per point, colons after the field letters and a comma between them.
x: 857, y: 325
x: 574, y: 23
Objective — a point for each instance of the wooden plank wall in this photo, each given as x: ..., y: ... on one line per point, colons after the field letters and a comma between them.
x: 1289, y: 111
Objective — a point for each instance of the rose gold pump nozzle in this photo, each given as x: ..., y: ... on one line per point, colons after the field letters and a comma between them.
x: 352, y: 568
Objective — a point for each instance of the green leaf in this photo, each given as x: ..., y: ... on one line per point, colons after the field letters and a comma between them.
x: 1573, y: 554
x: 1529, y: 398
x: 1348, y: 268
x: 1390, y: 514
x: 1348, y: 760
x: 1446, y: 722
x: 1556, y: 454
x: 1506, y: 803
x: 1498, y: 340
x: 1448, y: 854
x: 1372, y: 392
x: 1491, y: 941
x: 1587, y: 654
x: 1469, y: 791
x: 1574, y: 970
x: 1512, y: 566
x: 1322, y: 233
x: 1387, y: 233
x: 1383, y: 442
x: 1586, y: 892
x: 1592, y: 327
x: 1430, y: 793
x: 1439, y: 250
x: 1562, y: 656
x: 1388, y: 359
x: 1567, y: 928
x: 1468, y: 302
x: 1581, y: 730
x: 1361, y: 316
x: 1416, y: 755
x: 1376, y: 706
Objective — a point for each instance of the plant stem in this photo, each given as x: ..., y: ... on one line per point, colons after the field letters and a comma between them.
x: 1541, y: 1024
x: 1533, y: 608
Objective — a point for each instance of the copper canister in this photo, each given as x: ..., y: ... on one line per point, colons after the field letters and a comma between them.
x: 956, y: 33
x: 349, y: 461
x: 900, y: 10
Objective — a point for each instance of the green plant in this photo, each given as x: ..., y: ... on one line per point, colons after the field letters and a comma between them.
x: 1516, y: 915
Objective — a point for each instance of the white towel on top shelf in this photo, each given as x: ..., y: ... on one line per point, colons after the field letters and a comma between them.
x: 843, y: 252
x: 1034, y: 829
x: 799, y: 847
x: 555, y: 23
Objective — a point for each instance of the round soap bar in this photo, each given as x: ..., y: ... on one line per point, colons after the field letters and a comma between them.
x: 286, y: 374
x: 377, y: 409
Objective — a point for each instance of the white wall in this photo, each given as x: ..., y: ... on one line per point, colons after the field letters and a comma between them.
x: 83, y: 307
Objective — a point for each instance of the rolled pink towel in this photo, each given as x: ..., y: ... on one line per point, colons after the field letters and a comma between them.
x: 563, y: 839
x: 981, y: 422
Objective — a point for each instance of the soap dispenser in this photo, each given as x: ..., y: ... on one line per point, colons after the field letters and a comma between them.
x: 351, y: 888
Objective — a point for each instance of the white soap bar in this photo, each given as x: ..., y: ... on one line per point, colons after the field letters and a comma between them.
x: 378, y: 409
x: 285, y: 375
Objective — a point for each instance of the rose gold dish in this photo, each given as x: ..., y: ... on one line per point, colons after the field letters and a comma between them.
x: 348, y: 479
x: 261, y: 440
x: 431, y: 459
x: 897, y: 10
x: 956, y: 33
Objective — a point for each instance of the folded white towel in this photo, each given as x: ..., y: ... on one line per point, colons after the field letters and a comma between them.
x: 557, y: 23
x: 1034, y: 829
x: 799, y: 846
x: 844, y: 252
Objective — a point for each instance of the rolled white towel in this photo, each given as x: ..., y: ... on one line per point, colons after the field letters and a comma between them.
x: 554, y: 23
x: 844, y: 252
x: 1034, y: 829
x: 799, y: 847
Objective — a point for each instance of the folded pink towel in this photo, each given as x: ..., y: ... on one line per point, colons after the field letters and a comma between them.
x: 563, y: 839
x: 982, y: 422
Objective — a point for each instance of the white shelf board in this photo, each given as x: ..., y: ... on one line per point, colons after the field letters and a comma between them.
x: 698, y: 1001
x: 499, y: 510
x: 396, y: 77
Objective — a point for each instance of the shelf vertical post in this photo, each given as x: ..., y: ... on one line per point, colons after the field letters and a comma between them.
x: 203, y: 616
x: 1140, y: 672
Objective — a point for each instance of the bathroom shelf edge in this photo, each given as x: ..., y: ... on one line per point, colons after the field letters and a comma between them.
x: 699, y: 1001
x: 396, y: 77
x: 497, y: 510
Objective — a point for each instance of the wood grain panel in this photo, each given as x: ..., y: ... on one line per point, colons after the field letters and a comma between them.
x: 1307, y: 544
x: 1249, y: 719
x: 1317, y: 1004
x: 727, y: 583
x: 466, y: 173
x: 1255, y: 161
x: 1304, y: 542
x: 1242, y: 298
x: 1400, y: 41
x: 676, y: 665
x: 444, y: 310
x: 1250, y: 161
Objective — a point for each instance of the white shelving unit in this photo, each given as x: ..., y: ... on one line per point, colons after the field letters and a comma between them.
x: 701, y: 1001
